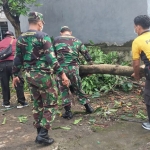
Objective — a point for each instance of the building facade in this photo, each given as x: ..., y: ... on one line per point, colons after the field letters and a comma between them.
x: 109, y: 21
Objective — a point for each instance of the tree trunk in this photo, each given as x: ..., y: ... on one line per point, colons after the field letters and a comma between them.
x: 108, y: 69
x: 17, y: 30
x: 14, y: 20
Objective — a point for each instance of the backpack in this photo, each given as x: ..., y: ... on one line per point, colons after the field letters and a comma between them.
x: 6, y: 52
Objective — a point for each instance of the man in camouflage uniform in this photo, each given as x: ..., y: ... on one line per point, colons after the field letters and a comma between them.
x: 34, y: 52
x: 67, y: 50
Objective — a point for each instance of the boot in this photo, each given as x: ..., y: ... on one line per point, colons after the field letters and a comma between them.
x: 89, y: 109
x: 43, y: 137
x: 38, y: 130
x: 68, y: 113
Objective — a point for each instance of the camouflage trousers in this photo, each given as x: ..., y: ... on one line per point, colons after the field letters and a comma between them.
x: 72, y: 73
x: 44, y: 91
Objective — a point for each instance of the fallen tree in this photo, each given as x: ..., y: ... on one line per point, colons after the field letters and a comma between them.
x: 108, y: 69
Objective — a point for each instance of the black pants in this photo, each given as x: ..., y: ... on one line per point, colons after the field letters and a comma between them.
x: 147, y: 97
x: 5, y: 76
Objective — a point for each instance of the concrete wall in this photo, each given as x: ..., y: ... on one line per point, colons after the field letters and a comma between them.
x: 97, y: 20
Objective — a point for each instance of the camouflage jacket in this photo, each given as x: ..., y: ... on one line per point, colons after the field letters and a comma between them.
x: 35, y: 52
x: 67, y: 50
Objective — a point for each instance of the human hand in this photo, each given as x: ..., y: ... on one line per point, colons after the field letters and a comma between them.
x: 15, y: 81
x: 136, y: 77
x: 65, y: 80
x: 90, y: 63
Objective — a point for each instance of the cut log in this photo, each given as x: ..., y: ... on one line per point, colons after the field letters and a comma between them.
x: 108, y: 69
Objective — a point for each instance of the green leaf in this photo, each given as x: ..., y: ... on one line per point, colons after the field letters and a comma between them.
x: 96, y: 95
x: 92, y: 120
x: 99, y: 109
x: 22, y: 119
x: 37, y: 5
x: 142, y: 115
x: 6, y: 109
x: 91, y: 42
x: 130, y: 115
x: 4, y: 121
x: 112, y: 110
x: 107, y: 75
x: 77, y: 121
x: 130, y: 85
x: 65, y: 128
x: 123, y: 117
x: 90, y: 92
x: 129, y: 104
x: 138, y: 116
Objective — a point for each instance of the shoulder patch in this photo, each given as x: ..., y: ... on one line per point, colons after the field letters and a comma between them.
x: 64, y: 37
x: 37, y: 34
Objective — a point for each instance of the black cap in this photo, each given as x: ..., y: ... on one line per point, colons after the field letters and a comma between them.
x: 9, y: 33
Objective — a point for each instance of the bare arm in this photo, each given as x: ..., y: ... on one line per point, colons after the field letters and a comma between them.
x: 136, y: 68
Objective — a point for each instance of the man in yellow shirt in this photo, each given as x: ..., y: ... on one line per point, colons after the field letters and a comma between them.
x: 141, y: 50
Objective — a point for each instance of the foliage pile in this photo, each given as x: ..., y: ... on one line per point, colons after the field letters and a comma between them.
x: 103, y: 82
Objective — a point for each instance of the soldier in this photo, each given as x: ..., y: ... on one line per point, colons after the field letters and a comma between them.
x: 67, y: 50
x: 35, y: 53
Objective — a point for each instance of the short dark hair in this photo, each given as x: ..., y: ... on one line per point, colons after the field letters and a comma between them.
x: 33, y: 21
x: 143, y: 21
x: 64, y: 29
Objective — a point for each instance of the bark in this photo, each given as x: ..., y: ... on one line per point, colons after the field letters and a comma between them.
x: 108, y: 69
x: 14, y: 19
x: 17, y: 30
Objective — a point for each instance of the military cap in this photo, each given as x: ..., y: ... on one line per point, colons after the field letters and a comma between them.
x: 65, y: 28
x: 35, y: 16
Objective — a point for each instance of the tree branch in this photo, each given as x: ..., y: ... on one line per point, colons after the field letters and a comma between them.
x: 8, y: 14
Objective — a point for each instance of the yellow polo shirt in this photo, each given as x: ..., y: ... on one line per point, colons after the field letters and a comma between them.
x: 141, y: 48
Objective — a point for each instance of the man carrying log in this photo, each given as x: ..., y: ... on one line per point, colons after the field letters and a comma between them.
x: 67, y: 50
x: 141, y: 49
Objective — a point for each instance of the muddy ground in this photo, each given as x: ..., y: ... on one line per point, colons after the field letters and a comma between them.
x: 115, y: 125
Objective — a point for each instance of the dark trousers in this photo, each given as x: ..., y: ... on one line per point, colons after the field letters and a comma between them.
x: 5, y: 76
x: 147, y: 97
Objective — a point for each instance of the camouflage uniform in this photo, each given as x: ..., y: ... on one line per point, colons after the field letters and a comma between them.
x: 35, y: 53
x: 67, y: 50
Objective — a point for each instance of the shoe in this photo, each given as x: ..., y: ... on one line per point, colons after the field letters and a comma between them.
x: 146, y: 125
x: 6, y: 106
x: 68, y: 114
x: 43, y: 137
x: 88, y: 108
x: 22, y: 105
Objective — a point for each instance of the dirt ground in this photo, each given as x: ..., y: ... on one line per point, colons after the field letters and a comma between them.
x: 102, y: 130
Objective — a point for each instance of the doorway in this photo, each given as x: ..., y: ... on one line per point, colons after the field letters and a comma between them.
x: 3, y: 29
